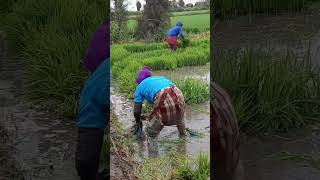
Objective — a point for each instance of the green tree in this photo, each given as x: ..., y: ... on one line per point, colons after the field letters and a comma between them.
x: 181, y: 3
x: 154, y: 20
x: 138, y: 4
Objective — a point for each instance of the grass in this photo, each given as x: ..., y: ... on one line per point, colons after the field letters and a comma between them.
x: 270, y: 94
x: 174, y: 166
x: 130, y: 58
x: 228, y: 8
x: 52, y: 41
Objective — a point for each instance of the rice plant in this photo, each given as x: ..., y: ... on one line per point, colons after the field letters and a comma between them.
x: 52, y: 37
x: 270, y: 94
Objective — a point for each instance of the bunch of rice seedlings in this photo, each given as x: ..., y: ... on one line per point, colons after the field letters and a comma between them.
x: 183, y: 43
x: 269, y: 94
x: 53, y: 49
x: 227, y: 8
x: 194, y: 91
x: 141, y: 47
x: 118, y: 53
x: 161, y: 63
x: 192, y: 57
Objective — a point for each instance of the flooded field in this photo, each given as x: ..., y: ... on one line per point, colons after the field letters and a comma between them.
x: 197, y: 118
x: 300, y: 33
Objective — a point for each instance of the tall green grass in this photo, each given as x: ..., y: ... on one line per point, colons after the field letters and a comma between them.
x: 270, y: 94
x: 52, y: 36
x: 227, y: 8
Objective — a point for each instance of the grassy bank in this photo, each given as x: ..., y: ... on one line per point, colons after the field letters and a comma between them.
x: 52, y: 36
x: 270, y: 94
x: 121, y: 150
x: 128, y: 59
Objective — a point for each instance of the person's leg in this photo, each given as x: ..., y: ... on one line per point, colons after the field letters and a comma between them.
x: 153, y: 128
x: 88, y: 152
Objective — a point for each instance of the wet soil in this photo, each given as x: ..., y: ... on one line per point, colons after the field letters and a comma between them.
x: 43, y: 143
x: 275, y: 33
x: 197, y: 118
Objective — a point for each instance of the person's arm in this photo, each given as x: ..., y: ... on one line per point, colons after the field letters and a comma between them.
x: 137, y: 111
x: 138, y: 100
x: 181, y: 33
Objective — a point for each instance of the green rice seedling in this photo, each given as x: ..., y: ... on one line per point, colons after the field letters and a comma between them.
x: 200, y: 172
x: 270, y: 94
x: 117, y: 54
x: 183, y: 43
x: 53, y: 51
x: 203, y: 167
x: 141, y: 47
x: 161, y: 63
x: 194, y: 91
x: 192, y: 57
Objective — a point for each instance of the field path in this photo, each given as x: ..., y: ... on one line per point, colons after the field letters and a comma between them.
x: 44, y: 144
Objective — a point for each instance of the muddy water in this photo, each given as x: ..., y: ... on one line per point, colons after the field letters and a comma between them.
x: 197, y: 118
x: 276, y: 33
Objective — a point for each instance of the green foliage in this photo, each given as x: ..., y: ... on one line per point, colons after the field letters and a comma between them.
x: 52, y: 36
x: 270, y: 94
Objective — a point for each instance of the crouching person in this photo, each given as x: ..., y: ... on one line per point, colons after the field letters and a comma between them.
x: 94, y: 105
x: 168, y: 105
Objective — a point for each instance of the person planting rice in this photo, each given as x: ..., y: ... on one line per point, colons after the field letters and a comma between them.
x: 94, y: 106
x: 173, y: 34
x: 225, y: 136
x: 168, y: 105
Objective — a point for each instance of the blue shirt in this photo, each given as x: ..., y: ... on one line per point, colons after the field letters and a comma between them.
x: 95, y: 98
x: 149, y: 87
x: 175, y: 31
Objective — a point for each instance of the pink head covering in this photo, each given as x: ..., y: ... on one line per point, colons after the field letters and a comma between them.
x: 144, y: 73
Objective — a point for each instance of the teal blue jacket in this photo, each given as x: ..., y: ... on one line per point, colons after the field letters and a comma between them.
x: 95, y: 99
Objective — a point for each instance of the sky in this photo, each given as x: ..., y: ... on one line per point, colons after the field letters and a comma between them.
x: 132, y: 3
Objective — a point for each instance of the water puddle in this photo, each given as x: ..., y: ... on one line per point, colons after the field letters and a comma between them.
x: 197, y: 118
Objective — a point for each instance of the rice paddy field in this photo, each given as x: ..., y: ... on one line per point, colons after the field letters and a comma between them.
x: 188, y: 68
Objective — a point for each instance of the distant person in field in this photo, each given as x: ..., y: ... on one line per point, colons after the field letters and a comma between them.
x: 224, y: 135
x: 168, y: 105
x: 94, y: 110
x: 173, y: 34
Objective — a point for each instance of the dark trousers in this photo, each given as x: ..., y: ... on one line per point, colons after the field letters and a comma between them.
x: 88, y: 152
